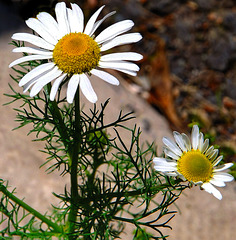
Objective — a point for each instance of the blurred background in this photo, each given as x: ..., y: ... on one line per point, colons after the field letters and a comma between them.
x: 188, y: 75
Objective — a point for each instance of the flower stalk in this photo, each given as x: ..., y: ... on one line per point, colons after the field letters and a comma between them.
x: 74, y: 167
x: 54, y: 226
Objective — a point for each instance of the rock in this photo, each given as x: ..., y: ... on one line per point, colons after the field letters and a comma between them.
x: 229, y: 21
x: 162, y: 6
x: 206, y: 5
x: 220, y: 50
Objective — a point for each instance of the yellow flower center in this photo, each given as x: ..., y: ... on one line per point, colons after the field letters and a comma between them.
x: 195, y: 166
x: 76, y: 53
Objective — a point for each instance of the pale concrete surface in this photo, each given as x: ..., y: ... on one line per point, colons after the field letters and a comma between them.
x: 202, y: 216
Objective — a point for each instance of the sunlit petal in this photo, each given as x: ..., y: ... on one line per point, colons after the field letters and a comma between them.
x: 114, y: 30
x: 105, y: 76
x: 87, y: 89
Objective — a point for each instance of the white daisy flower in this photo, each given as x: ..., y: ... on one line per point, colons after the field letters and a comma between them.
x: 72, y: 51
x: 194, y: 161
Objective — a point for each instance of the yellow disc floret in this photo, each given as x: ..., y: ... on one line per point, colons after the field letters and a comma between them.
x: 195, y: 166
x: 76, y: 53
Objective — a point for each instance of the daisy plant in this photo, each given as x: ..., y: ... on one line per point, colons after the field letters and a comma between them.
x: 112, y: 181
x: 194, y: 161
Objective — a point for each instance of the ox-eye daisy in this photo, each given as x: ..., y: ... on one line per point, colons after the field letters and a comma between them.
x: 73, y: 53
x: 193, y: 161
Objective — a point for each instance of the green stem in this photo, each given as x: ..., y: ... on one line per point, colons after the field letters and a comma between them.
x: 72, y: 150
x: 74, y: 167
x: 44, y: 219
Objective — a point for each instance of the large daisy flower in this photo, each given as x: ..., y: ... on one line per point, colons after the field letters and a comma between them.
x: 194, y: 161
x: 72, y: 51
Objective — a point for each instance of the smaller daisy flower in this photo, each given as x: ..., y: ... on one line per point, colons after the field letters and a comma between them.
x: 193, y: 161
x: 72, y: 52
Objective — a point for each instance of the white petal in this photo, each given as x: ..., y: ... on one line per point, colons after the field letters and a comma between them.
x: 215, y: 162
x: 171, y: 154
x: 198, y: 183
x: 120, y: 40
x: 172, y: 174
x: 164, y: 168
x: 36, y: 72
x: 132, y: 73
x: 98, y: 23
x: 164, y: 162
x: 70, y: 19
x: 30, y: 83
x: 119, y: 65
x: 187, y: 142
x: 172, y: 146
x: 76, y: 18
x: 105, y: 76
x: 32, y: 51
x: 87, y: 88
x: 50, y: 24
x: 195, y: 137
x: 72, y: 87
x: 54, y: 73
x: 130, y: 56
x: 210, y: 189
x: 56, y: 85
x: 90, y: 24
x: 217, y: 183
x: 114, y: 30
x: 205, y: 145
x: 223, y: 167
x: 214, y: 154
x: 29, y: 58
x: 38, y: 27
x: 179, y: 140
x: 209, y: 151
x: 35, y: 40
x: 182, y: 177
x: 61, y: 15
x: 201, y: 141
x: 162, y: 165
x: 225, y: 177
x: 216, y: 193
x: 34, y: 80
